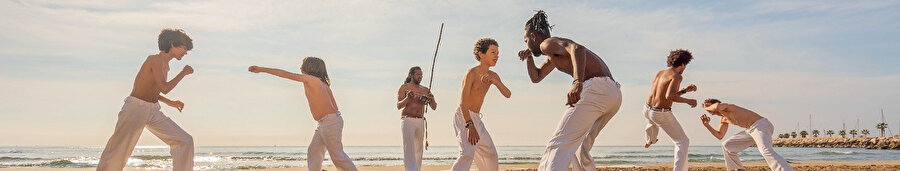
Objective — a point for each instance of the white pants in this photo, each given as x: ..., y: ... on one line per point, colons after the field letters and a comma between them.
x: 667, y: 121
x: 574, y: 136
x: 328, y: 138
x: 134, y: 116
x: 760, y: 133
x: 483, y: 153
x: 413, y: 130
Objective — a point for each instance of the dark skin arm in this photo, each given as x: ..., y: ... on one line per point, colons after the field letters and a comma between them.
x: 578, y: 57
x: 535, y: 73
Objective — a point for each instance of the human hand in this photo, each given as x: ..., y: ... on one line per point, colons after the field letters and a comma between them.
x: 187, y: 70
x: 177, y: 104
x: 691, y: 87
x: 473, y: 135
x: 525, y: 54
x: 254, y: 69
x: 574, y: 94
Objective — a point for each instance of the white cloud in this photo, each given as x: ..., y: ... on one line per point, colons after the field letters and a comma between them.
x: 81, y: 57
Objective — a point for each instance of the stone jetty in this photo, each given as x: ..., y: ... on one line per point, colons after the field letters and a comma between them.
x: 892, y: 143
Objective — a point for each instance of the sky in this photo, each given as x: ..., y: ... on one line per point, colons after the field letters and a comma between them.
x: 67, y: 66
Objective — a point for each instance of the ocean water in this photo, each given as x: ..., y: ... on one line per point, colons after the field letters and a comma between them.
x: 157, y: 157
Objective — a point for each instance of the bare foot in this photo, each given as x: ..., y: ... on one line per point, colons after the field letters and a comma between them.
x: 647, y: 145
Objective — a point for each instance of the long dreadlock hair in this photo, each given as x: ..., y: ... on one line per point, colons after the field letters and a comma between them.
x: 538, y: 23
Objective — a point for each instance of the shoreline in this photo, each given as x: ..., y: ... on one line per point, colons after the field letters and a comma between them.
x: 702, y: 166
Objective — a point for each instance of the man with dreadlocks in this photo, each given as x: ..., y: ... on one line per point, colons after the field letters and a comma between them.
x: 594, y: 99
x: 412, y: 98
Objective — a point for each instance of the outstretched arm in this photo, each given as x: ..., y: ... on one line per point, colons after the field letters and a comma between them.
x: 159, y: 75
x: 279, y: 73
x: 535, y: 73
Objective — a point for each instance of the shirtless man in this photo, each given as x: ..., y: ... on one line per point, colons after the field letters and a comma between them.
x: 593, y: 101
x: 141, y: 108
x: 317, y: 87
x: 658, y: 110
x: 758, y: 131
x: 412, y: 99
x: 470, y: 131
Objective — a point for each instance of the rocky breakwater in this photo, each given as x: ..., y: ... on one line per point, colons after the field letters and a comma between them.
x: 892, y: 143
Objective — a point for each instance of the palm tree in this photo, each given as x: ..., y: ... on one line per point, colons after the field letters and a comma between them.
x: 881, y: 126
x: 865, y: 132
x: 803, y: 134
x: 829, y: 133
x: 793, y: 134
x: 815, y: 133
x: 853, y: 132
x: 843, y: 133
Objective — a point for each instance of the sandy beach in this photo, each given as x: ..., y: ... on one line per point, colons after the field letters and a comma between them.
x: 757, y: 165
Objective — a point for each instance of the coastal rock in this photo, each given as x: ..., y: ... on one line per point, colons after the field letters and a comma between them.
x: 892, y: 143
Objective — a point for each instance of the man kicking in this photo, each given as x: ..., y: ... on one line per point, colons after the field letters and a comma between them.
x: 475, y: 144
x: 141, y: 108
x: 658, y: 110
x: 412, y: 99
x: 317, y: 87
x: 758, y: 131
x: 593, y: 101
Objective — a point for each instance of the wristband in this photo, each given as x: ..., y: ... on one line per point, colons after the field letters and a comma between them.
x: 469, y: 123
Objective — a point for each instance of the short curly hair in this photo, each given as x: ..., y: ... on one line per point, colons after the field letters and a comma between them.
x: 169, y: 38
x: 679, y: 57
x: 482, y: 46
x: 712, y: 101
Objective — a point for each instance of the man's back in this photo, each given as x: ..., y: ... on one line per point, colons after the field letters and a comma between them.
x: 660, y: 87
x: 145, y: 86
x: 555, y: 49
x: 738, y: 115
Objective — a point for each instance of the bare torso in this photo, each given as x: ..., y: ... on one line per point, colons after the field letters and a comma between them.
x: 145, y: 87
x: 658, y: 90
x: 478, y: 89
x: 739, y: 116
x: 416, y: 108
x: 320, y: 97
x: 594, y: 66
